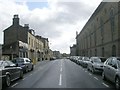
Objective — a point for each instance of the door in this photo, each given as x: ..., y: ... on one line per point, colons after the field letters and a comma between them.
x: 113, y: 69
x: 28, y: 63
x: 107, y: 68
x: 15, y: 71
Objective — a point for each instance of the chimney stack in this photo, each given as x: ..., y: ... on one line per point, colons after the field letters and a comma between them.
x: 26, y: 26
x: 16, y: 20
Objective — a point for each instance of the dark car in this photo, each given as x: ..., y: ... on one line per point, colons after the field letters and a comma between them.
x: 9, y: 72
x: 111, y: 70
x: 25, y: 63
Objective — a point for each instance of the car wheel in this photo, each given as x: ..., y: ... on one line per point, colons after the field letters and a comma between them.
x: 21, y: 74
x: 87, y: 68
x: 117, y: 83
x: 32, y: 68
x: 103, y: 76
x: 8, y: 81
x: 26, y: 70
x: 93, y: 71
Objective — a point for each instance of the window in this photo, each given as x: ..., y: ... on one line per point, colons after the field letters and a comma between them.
x: 114, y: 63
x: 118, y: 61
x: 1, y: 63
x: 109, y: 62
x: 102, y: 29
x: 6, y: 64
x: 103, y: 51
x: 112, y: 21
x: 97, y: 18
x: 95, y: 35
x: 96, y: 60
x: 29, y: 40
x: 105, y: 10
x: 10, y: 63
x: 95, y: 52
x: 113, y: 50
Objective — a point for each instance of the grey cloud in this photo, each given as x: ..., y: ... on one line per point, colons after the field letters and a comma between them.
x: 47, y: 28
x: 74, y: 11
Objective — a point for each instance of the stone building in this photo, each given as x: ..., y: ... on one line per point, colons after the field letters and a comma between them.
x: 35, y: 47
x: 101, y: 34
x: 15, y: 37
x: 20, y: 41
x: 0, y: 51
x: 73, y: 50
x: 46, y: 50
x: 57, y: 54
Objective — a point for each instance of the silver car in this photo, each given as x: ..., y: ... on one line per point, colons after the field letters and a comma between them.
x: 85, y: 61
x: 111, y: 70
x: 95, y: 65
x: 25, y: 63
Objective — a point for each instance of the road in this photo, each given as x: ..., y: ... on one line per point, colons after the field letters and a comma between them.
x: 61, y: 73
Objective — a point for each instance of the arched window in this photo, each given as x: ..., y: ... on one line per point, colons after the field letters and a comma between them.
x: 86, y: 41
x: 113, y: 50
x: 112, y: 21
x: 95, y: 52
x: 95, y: 35
x: 102, y: 29
x: 103, y: 52
x: 90, y: 53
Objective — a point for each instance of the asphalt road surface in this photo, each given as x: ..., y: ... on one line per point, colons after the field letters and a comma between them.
x: 61, y: 73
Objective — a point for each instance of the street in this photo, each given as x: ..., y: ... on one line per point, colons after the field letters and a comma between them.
x: 60, y: 73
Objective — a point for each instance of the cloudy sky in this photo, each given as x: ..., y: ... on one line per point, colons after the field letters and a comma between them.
x: 57, y: 20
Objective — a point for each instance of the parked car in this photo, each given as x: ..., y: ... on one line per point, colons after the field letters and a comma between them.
x: 111, y: 70
x: 9, y: 72
x: 95, y: 65
x: 85, y: 61
x: 25, y: 63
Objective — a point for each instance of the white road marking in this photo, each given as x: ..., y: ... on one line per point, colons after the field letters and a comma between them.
x: 14, y: 85
x: 23, y: 78
x: 30, y: 75
x: 61, y: 69
x: 105, y: 84
x: 61, y: 63
x: 85, y: 71
x: 60, y: 80
x: 96, y: 78
x: 90, y: 74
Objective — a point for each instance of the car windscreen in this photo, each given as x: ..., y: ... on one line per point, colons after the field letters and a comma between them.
x: 118, y: 61
x: 1, y: 63
x: 97, y: 60
x: 18, y: 61
x: 86, y: 59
